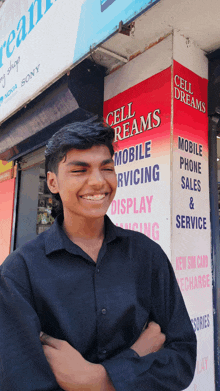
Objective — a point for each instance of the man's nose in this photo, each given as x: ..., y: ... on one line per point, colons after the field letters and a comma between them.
x: 96, y: 179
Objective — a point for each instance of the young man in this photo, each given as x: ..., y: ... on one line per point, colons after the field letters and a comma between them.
x: 91, y: 288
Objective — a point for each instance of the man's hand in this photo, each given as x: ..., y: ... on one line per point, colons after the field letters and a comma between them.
x: 71, y: 370
x: 151, y: 340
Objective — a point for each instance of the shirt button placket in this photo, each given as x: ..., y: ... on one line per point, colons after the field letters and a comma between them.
x: 102, y: 311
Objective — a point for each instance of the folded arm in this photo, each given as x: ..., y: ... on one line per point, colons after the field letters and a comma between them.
x: 73, y: 372
x: 171, y: 368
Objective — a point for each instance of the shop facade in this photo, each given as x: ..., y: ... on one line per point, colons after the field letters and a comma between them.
x: 156, y: 99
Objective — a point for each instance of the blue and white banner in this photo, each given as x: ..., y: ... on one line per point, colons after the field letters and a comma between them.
x: 41, y: 39
x: 100, y: 18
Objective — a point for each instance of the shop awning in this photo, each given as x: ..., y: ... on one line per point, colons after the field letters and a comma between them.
x: 73, y: 98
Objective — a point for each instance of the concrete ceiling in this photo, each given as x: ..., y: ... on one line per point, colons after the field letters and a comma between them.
x: 198, y: 20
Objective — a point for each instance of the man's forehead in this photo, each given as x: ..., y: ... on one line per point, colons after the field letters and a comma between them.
x: 98, y: 153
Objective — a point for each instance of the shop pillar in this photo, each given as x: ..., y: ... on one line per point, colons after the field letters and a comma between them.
x: 157, y: 104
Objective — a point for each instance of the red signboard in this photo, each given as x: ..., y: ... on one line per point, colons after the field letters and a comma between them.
x: 6, y: 214
x: 190, y: 106
x: 141, y: 117
x: 142, y: 112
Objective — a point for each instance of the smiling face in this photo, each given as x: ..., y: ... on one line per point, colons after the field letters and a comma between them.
x: 86, y: 182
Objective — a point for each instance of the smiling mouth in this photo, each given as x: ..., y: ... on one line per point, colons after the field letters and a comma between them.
x: 95, y: 197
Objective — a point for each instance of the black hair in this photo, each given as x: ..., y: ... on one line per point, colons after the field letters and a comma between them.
x: 77, y: 135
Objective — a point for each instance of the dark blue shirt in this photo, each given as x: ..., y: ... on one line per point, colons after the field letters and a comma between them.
x: 51, y: 284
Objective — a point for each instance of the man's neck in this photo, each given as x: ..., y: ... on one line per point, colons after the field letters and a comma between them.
x: 78, y: 227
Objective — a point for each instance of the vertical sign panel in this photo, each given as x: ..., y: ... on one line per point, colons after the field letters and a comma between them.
x: 191, y: 255
x: 5, y: 170
x: 141, y: 119
x: 7, y: 189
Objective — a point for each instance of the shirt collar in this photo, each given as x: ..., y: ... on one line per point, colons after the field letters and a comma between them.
x: 56, y: 239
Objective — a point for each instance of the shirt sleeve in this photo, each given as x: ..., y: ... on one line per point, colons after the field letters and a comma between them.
x: 171, y: 368
x: 23, y: 365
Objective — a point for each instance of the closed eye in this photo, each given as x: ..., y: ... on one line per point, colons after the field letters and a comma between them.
x: 108, y: 169
x: 78, y: 171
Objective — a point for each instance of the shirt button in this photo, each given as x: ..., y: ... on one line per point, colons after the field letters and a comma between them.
x: 98, y: 270
x: 104, y: 352
x: 104, y: 311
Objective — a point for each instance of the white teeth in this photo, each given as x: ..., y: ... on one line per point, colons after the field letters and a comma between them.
x: 96, y: 197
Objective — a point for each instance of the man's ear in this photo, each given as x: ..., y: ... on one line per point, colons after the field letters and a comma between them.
x: 52, y: 182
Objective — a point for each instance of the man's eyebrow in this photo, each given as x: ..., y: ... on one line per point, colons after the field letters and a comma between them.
x: 78, y: 163
x: 84, y: 164
x: 107, y: 161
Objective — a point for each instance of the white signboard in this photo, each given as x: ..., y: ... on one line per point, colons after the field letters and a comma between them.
x: 191, y: 252
x: 37, y: 45
x: 41, y: 39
